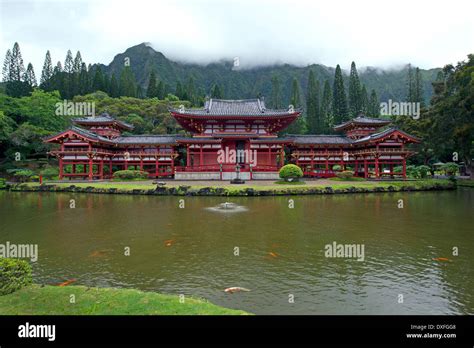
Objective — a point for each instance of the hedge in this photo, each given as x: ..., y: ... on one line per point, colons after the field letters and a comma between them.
x: 14, y: 274
x: 346, y: 174
x: 130, y: 174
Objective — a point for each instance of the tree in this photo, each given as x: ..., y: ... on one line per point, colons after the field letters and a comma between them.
x: 77, y: 65
x: 276, y: 93
x: 151, y: 91
x: 47, y: 72
x: 373, y: 109
x: 298, y: 126
x: 355, y: 106
x: 364, y: 100
x: 6, y: 66
x: 191, y: 91
x: 16, y: 69
x: 84, y: 85
x: 127, y: 85
x: 216, y: 92
x: 339, y: 101
x: 114, y: 87
x: 314, y: 123
x: 29, y: 76
x: 410, y: 85
x: 326, y: 110
x: 418, y: 93
x: 68, y: 63
x: 98, y: 81
x: 160, y: 90
x: 179, y: 90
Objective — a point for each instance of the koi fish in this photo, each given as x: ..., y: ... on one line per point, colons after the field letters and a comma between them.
x: 272, y: 254
x: 98, y: 253
x: 169, y: 242
x: 236, y: 289
x: 67, y: 282
x: 441, y: 259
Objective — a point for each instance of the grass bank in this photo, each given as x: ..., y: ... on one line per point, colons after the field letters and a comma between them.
x: 254, y: 188
x: 54, y: 300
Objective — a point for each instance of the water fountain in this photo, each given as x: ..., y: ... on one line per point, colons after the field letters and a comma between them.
x: 227, y: 207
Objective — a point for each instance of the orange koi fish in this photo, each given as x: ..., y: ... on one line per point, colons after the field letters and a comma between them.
x: 441, y: 259
x: 169, y: 242
x: 67, y: 282
x: 235, y: 289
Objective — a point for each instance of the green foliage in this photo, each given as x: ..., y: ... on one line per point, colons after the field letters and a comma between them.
x: 336, y: 167
x: 355, y: 97
x: 3, y: 183
x: 346, y: 174
x: 130, y: 175
x: 23, y: 175
x: 14, y: 274
x: 50, y: 172
x: 290, y: 171
x: 339, y: 100
x: 423, y: 171
x: 450, y: 168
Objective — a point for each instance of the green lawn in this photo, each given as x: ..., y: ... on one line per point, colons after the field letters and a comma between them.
x: 55, y: 300
x: 466, y: 183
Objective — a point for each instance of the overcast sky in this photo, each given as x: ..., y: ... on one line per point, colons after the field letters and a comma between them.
x: 372, y: 33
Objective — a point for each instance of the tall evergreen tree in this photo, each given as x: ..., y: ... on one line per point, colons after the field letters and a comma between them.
x: 276, y: 93
x: 216, y: 92
x: 298, y: 126
x: 354, y: 92
x: 364, y: 100
x: 47, y: 72
x: 179, y: 90
x: 68, y: 63
x: 84, y: 84
x: 77, y: 65
x: 114, y: 87
x: 160, y: 90
x: 127, y: 84
x: 16, y: 69
x: 29, y: 76
x: 374, y: 105
x: 326, y: 108
x: 151, y: 91
x: 312, y: 105
x: 191, y: 91
x: 418, y: 88
x: 98, y: 81
x: 339, y: 101
x: 6, y: 66
x: 410, y: 85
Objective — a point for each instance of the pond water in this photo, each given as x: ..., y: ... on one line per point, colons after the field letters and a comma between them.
x: 276, y: 251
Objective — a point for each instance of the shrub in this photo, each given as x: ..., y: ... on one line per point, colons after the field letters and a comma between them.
x: 450, y: 168
x: 3, y: 183
x: 130, y: 174
x: 14, y: 274
x: 336, y: 167
x: 412, y: 171
x: 290, y: 171
x: 423, y: 171
x: 346, y: 174
x: 23, y: 175
x: 50, y: 172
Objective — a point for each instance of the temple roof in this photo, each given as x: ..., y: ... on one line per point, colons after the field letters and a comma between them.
x: 102, y: 119
x: 246, y: 107
x: 147, y: 139
x: 384, y: 133
x: 362, y: 121
x: 319, y: 139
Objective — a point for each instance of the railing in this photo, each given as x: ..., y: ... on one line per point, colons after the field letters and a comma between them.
x: 226, y: 168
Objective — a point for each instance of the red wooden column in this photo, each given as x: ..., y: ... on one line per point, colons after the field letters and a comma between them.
x: 377, y: 174
x: 404, y: 164
x: 366, y: 171
x: 312, y: 161
x: 282, y: 155
x: 327, y: 163
x: 201, y: 157
x: 111, y: 172
x: 61, y: 173
x: 141, y: 158
x: 356, y: 168
x: 156, y: 166
x: 172, y: 160
x: 101, y: 169
x: 269, y: 154
x: 90, y: 168
x: 188, y: 156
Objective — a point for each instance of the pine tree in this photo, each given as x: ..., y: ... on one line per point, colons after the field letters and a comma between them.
x: 47, y: 72
x: 326, y: 108
x: 114, y: 86
x: 179, y: 90
x: 68, y: 63
x: 127, y: 84
x: 418, y: 88
x: 298, y: 126
x: 84, y: 85
x: 312, y: 105
x: 6, y: 66
x: 77, y: 65
x: 56, y: 81
x: 364, y: 99
x: 16, y: 69
x: 339, y: 101
x: 151, y: 91
x: 276, y: 93
x: 216, y: 92
x: 191, y: 91
x: 354, y: 92
x: 160, y: 90
x: 410, y: 85
x: 98, y: 81
x: 29, y: 76
x: 374, y: 105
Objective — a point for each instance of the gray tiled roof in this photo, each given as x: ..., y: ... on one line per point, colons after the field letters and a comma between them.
x: 363, y: 120
x: 319, y: 139
x: 103, y: 118
x: 147, y: 139
x: 382, y: 134
x: 246, y: 107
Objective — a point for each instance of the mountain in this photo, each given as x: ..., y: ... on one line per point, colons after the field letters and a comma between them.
x: 248, y: 83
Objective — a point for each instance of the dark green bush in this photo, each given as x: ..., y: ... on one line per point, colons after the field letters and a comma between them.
x: 50, y: 172
x: 130, y: 174
x: 14, y: 274
x: 423, y: 171
x: 346, y: 174
x: 23, y: 175
x: 290, y: 171
x: 3, y: 183
x: 336, y: 167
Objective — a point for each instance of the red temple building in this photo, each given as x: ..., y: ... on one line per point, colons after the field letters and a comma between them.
x: 229, y: 136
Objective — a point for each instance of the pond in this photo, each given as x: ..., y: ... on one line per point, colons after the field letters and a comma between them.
x: 274, y: 246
